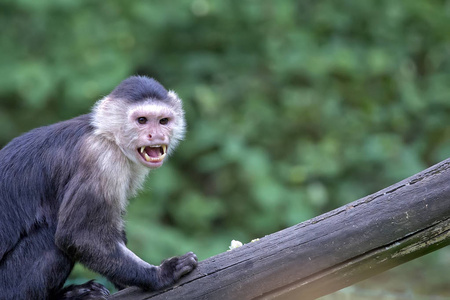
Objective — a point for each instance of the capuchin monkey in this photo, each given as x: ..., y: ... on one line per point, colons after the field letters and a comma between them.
x: 64, y: 189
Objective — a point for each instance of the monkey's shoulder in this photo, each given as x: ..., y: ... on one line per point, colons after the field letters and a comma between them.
x: 65, y: 131
x: 56, y: 134
x: 45, y: 148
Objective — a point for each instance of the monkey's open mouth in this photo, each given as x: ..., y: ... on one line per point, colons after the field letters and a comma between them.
x: 155, y: 153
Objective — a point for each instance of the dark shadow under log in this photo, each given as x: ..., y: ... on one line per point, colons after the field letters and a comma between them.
x: 329, y: 252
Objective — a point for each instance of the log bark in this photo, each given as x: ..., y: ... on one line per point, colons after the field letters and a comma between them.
x: 329, y: 252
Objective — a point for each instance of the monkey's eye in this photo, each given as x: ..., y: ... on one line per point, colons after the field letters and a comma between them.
x: 142, y: 120
x: 164, y: 121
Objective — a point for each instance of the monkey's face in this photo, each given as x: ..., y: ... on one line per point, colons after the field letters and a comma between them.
x: 153, y: 130
x: 146, y: 131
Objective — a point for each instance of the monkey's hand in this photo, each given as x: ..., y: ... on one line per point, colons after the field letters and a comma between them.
x: 173, y: 268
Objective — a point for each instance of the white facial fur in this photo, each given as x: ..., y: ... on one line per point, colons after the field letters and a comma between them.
x: 116, y: 121
x: 113, y: 148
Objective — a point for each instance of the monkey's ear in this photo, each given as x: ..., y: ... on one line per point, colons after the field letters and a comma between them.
x: 174, y: 97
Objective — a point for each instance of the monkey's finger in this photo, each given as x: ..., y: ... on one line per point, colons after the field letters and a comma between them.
x: 190, y: 259
x: 188, y: 256
x: 184, y: 270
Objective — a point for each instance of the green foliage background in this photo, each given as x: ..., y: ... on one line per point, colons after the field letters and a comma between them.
x: 294, y: 107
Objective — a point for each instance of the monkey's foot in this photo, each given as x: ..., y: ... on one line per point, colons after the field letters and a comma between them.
x: 173, y: 268
x: 87, y: 291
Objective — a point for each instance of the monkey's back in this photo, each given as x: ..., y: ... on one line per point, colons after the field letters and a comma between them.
x: 34, y: 169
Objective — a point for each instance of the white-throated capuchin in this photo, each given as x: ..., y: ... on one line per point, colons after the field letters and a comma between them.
x: 64, y: 190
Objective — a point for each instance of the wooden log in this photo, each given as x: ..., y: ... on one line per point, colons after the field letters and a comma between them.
x: 329, y: 252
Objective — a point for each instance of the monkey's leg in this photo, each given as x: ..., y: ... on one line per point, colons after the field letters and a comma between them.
x: 86, y: 291
x: 35, y: 268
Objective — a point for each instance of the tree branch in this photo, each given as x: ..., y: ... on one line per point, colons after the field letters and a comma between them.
x: 329, y: 252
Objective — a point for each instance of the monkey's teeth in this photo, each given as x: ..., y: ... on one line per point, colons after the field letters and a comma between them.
x: 147, y: 158
x: 150, y: 159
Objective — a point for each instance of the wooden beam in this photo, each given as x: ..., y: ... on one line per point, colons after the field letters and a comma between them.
x: 329, y: 252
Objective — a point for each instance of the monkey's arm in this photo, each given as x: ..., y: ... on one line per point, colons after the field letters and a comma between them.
x: 89, y: 231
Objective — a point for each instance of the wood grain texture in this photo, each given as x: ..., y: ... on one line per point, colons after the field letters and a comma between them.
x: 329, y: 252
